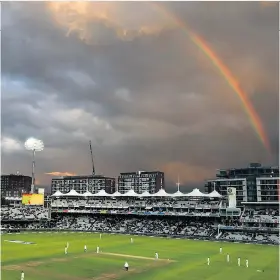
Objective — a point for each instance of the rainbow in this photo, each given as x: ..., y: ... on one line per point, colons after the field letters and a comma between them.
x: 225, y: 73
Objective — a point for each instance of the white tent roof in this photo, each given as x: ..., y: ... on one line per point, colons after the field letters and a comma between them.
x: 116, y: 194
x: 58, y: 193
x: 72, y: 193
x: 102, y: 193
x: 161, y: 193
x: 177, y: 194
x: 196, y: 193
x: 131, y: 193
x: 87, y: 193
x: 214, y: 194
x: 145, y: 194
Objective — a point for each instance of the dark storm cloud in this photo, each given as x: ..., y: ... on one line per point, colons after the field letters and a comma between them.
x: 137, y: 86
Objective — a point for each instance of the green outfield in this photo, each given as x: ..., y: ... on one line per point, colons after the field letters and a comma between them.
x: 178, y: 259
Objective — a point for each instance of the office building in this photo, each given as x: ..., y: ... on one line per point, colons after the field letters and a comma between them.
x: 83, y: 183
x: 141, y: 181
x: 255, y: 183
x: 14, y: 185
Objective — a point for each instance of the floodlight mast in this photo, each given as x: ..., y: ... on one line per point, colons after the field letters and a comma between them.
x: 33, y: 145
x: 33, y: 171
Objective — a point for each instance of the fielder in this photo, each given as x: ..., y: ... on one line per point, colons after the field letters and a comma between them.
x: 156, y: 256
x: 22, y: 276
x: 238, y: 261
x: 227, y: 257
x: 100, y: 235
x: 85, y: 248
x: 221, y: 250
x: 247, y: 263
x: 97, y: 249
x: 208, y: 261
x: 65, y: 250
x: 126, y: 266
x: 131, y: 240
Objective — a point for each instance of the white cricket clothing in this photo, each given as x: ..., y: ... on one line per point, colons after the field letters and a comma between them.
x: 126, y: 264
x: 65, y: 250
x: 227, y: 257
x: 131, y: 240
x: 238, y: 261
x: 100, y: 235
x: 97, y: 250
x: 221, y: 250
x: 22, y: 276
x: 156, y: 255
x: 208, y: 261
x: 247, y: 263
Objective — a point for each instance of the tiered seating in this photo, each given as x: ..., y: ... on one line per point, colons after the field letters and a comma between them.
x: 24, y: 213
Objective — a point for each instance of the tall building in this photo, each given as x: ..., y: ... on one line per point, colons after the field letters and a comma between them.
x: 141, y: 181
x: 13, y: 185
x: 83, y: 183
x: 255, y: 183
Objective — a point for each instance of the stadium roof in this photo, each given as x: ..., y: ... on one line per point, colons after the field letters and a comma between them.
x: 131, y: 193
x: 58, y: 193
x: 161, y: 193
x: 116, y: 194
x: 145, y: 194
x: 196, y: 193
x: 102, y: 193
x: 177, y: 194
x: 72, y: 193
x: 214, y: 194
x: 87, y: 193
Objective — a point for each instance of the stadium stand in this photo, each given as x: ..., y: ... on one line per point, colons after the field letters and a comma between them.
x: 177, y: 218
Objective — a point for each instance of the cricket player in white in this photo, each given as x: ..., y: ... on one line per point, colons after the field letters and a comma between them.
x: 97, y: 249
x: 156, y: 256
x: 227, y: 257
x: 126, y: 266
x: 131, y: 240
x: 85, y: 248
x: 65, y: 250
x: 208, y: 261
x: 238, y: 261
x: 100, y: 235
x: 221, y: 250
x: 22, y: 276
x: 247, y: 263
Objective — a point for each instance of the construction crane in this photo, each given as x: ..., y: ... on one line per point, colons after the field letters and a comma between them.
x: 93, y: 169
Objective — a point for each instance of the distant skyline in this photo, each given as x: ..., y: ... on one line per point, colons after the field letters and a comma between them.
x: 181, y: 87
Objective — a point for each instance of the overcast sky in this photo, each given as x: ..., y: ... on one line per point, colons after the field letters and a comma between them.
x: 128, y: 77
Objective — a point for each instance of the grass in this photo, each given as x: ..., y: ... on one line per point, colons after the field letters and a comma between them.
x: 179, y: 259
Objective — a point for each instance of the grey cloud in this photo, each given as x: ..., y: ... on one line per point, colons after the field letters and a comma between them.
x: 149, y: 99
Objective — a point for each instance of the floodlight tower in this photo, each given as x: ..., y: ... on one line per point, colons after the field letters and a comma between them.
x: 34, y: 145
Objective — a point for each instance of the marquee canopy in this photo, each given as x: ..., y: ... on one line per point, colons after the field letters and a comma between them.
x: 196, y: 193
x: 72, y: 193
x: 132, y: 193
x: 57, y: 193
x: 214, y: 194
x: 178, y: 194
x: 160, y: 193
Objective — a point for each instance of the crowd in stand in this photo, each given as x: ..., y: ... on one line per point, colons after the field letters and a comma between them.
x: 262, y: 216
x: 24, y: 213
x: 122, y: 203
x: 32, y: 217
